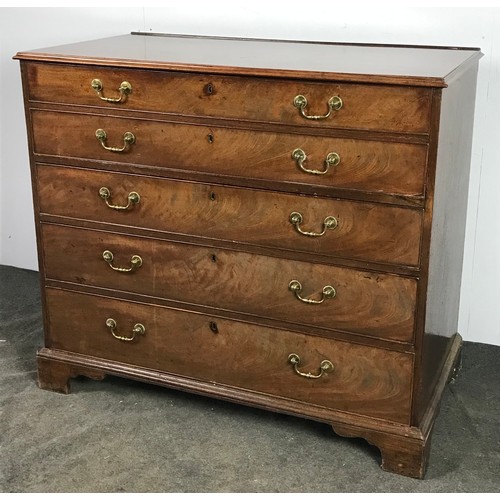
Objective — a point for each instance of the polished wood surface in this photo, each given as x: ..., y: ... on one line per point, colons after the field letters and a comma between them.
x: 391, y: 168
x: 251, y: 357
x: 371, y: 304
x: 213, y: 163
x: 370, y: 107
x: 365, y: 231
x: 446, y: 248
x: 404, y: 65
x: 404, y: 449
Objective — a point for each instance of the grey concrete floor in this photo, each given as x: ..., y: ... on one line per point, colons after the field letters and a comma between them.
x: 123, y: 436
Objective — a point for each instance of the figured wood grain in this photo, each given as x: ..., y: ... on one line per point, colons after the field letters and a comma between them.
x: 402, y: 109
x: 367, y: 303
x: 404, y: 448
x: 77, y: 323
x: 373, y: 382
x: 392, y: 168
x: 408, y: 455
x: 365, y: 231
x: 206, y: 111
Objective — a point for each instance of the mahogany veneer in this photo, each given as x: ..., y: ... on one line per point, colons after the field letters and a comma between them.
x: 171, y: 251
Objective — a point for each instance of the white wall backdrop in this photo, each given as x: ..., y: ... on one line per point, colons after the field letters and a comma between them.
x: 29, y: 28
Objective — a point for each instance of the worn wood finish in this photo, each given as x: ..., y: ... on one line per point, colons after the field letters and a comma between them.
x: 364, y: 165
x: 365, y: 231
x: 365, y: 107
x: 77, y: 323
x: 217, y: 181
x: 445, y: 249
x: 55, y: 375
x: 250, y: 357
x: 404, y: 448
x: 368, y: 303
x: 374, y: 63
x: 403, y: 455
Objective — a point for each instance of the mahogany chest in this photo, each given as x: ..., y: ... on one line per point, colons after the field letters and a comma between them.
x: 274, y: 223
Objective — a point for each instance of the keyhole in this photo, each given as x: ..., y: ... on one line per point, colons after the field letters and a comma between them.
x: 212, y: 196
x: 210, y: 138
x: 214, y: 327
x: 213, y: 257
x: 209, y: 89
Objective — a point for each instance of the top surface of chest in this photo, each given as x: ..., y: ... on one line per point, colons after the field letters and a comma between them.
x: 410, y: 65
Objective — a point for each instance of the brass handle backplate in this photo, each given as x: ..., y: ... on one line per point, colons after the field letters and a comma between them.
x: 138, y: 329
x: 135, y: 262
x: 125, y: 89
x: 133, y: 199
x: 296, y: 219
x: 325, y: 366
x: 296, y: 287
x: 334, y: 104
x: 128, y: 140
x: 332, y: 160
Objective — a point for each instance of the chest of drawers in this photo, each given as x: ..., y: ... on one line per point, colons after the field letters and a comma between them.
x: 278, y: 224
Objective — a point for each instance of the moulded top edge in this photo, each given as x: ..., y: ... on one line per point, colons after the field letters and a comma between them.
x: 385, y: 64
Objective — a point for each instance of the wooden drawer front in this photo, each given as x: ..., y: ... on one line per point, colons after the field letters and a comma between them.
x: 77, y: 323
x: 365, y: 231
x: 369, y: 107
x: 370, y: 166
x: 365, y: 380
x: 368, y: 303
